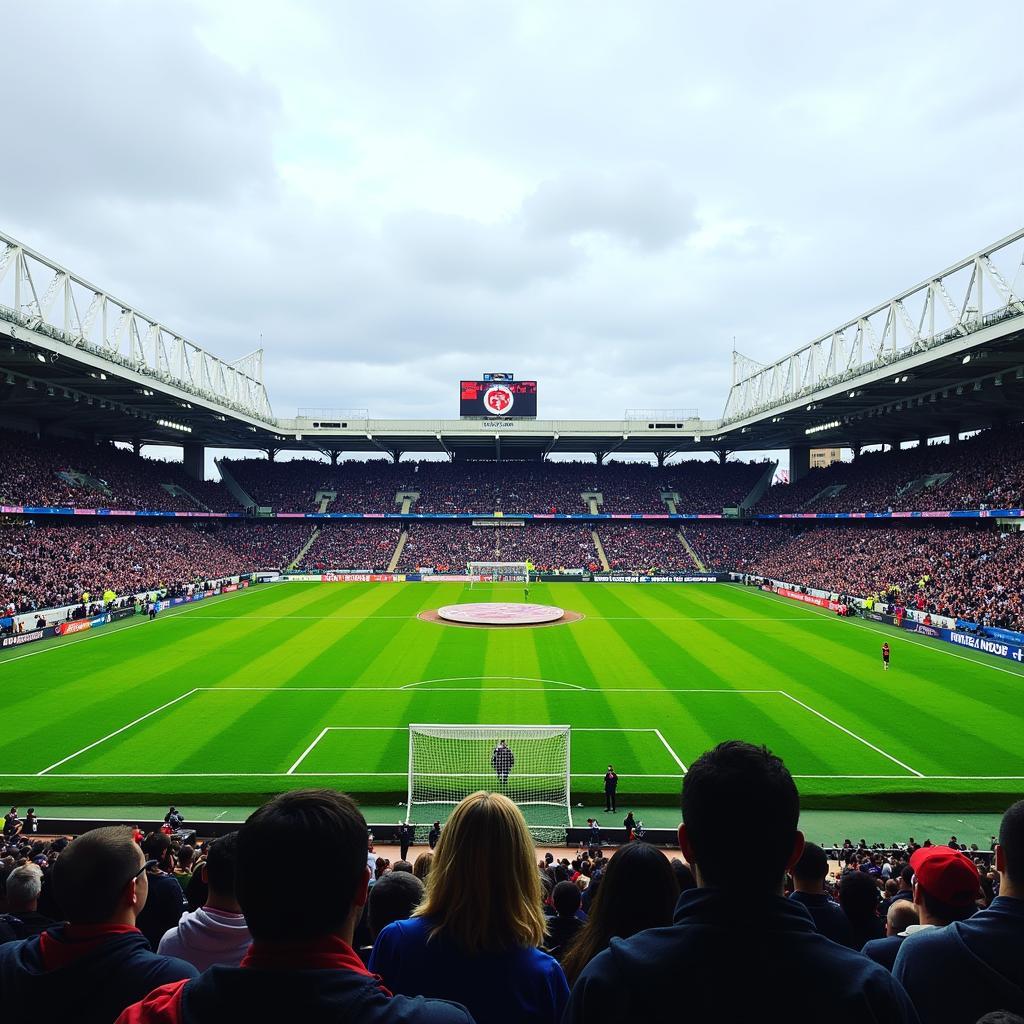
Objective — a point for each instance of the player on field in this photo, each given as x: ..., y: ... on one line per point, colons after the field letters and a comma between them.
x: 502, y: 761
x: 885, y: 655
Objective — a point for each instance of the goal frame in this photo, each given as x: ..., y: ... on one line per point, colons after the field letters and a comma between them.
x: 507, y: 730
x: 507, y: 572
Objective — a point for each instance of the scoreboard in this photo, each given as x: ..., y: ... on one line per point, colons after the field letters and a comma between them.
x: 498, y: 397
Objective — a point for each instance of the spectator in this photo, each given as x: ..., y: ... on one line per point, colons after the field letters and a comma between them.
x: 638, y: 890
x: 809, y: 874
x: 217, y: 932
x: 393, y: 898
x: 858, y: 896
x: 684, y: 875
x: 421, y: 867
x: 90, y: 969
x: 434, y: 835
x: 166, y: 902
x: 737, y: 799
x: 567, y: 921
x: 24, y: 885
x: 301, y: 965
x: 475, y: 936
x: 901, y: 916
x: 972, y: 966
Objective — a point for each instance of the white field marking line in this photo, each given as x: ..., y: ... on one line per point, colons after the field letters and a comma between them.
x: 467, y: 679
x: 308, y: 750
x: 849, y: 732
x: 173, y: 614
x: 672, y: 753
x: 903, y: 639
x: 116, y: 732
x: 470, y: 689
x: 403, y: 775
x: 600, y: 618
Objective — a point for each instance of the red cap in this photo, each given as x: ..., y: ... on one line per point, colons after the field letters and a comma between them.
x: 946, y: 874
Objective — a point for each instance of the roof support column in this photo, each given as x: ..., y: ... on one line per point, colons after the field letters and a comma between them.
x: 799, y: 462
x: 194, y: 457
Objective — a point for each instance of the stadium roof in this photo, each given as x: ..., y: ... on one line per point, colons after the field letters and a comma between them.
x: 947, y: 355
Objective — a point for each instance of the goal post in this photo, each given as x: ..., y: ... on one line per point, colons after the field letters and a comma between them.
x: 531, y: 768
x: 498, y: 572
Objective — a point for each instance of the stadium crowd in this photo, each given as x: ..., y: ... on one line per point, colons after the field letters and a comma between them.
x: 636, y: 547
x: 117, y: 926
x: 66, y: 472
x: 50, y: 566
x: 366, y: 546
x: 973, y: 574
x: 447, y: 547
x: 982, y: 472
x: 536, y: 487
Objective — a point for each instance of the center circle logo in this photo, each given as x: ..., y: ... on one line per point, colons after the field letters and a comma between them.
x: 498, y: 399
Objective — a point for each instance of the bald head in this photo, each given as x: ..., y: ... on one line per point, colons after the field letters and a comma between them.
x: 902, y: 914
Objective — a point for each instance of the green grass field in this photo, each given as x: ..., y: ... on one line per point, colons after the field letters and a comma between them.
x: 276, y: 687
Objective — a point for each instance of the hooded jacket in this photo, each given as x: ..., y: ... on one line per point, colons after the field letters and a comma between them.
x: 317, y: 982
x: 207, y: 937
x: 736, y: 957
x: 87, y: 974
x: 961, y: 972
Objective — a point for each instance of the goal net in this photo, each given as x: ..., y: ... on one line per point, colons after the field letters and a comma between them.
x: 498, y: 572
x: 527, y: 763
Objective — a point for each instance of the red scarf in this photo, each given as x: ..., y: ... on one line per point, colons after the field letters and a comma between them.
x: 76, y: 940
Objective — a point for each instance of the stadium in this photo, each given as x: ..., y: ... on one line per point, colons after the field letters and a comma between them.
x: 440, y: 581
x: 709, y: 602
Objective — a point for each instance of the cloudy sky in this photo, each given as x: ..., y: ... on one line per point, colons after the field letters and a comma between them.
x: 602, y: 196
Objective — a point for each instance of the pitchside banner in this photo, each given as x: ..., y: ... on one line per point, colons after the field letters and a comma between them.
x: 797, y: 595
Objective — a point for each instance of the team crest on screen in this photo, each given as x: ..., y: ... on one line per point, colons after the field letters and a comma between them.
x: 498, y: 400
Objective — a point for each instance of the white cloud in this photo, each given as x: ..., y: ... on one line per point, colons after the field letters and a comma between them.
x: 397, y: 195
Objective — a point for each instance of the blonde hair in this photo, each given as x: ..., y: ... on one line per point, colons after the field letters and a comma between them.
x: 483, y: 890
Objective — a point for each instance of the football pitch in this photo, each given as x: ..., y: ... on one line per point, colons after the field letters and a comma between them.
x: 308, y: 684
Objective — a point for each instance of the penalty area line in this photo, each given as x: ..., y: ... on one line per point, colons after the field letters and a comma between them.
x: 116, y: 732
x: 850, y: 732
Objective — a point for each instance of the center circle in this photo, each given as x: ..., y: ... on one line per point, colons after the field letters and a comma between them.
x: 501, y: 613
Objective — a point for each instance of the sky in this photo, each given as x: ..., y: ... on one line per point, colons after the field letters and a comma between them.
x: 607, y: 198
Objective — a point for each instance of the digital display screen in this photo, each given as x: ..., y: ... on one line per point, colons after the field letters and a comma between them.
x: 492, y: 398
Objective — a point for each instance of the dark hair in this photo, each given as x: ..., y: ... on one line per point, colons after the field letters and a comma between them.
x: 156, y: 846
x: 858, y: 896
x: 907, y: 874
x: 92, y: 872
x: 737, y: 798
x: 684, y: 876
x: 402, y: 865
x: 812, y: 865
x: 566, y: 899
x: 310, y: 819
x: 393, y: 898
x: 1011, y: 839
x: 221, y: 856
x: 638, y: 890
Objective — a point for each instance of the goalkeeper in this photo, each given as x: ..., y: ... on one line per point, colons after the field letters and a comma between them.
x: 502, y: 760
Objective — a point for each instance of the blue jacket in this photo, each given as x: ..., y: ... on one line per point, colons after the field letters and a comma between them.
x: 961, y: 972
x: 497, y: 988
x: 93, y: 988
x: 883, y: 951
x: 736, y: 958
x: 828, y: 917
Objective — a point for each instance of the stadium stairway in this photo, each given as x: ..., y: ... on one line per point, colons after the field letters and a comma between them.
x: 233, y: 486
x: 399, y: 548
x: 180, y: 492
x: 323, y: 500
x: 760, y: 489
x: 599, y: 548
x: 701, y: 567
x: 313, y: 534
